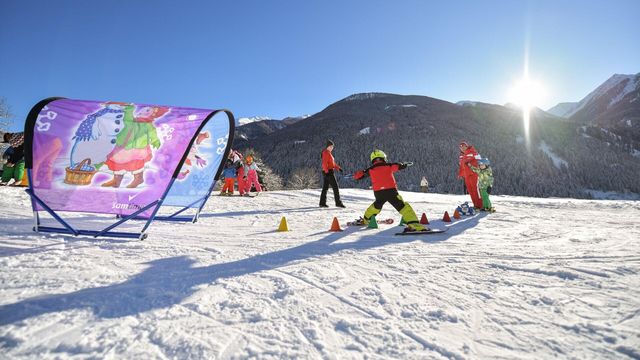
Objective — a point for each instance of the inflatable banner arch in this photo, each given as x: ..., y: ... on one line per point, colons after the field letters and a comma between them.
x: 123, y: 159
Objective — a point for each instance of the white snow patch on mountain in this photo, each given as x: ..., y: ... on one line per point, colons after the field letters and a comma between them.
x: 467, y: 103
x: 364, y: 96
x: 524, y: 282
x: 301, y: 117
x: 557, y: 160
x: 249, y: 120
x: 299, y: 142
x: 519, y: 139
x: 632, y: 84
x: 388, y: 107
x: 365, y: 131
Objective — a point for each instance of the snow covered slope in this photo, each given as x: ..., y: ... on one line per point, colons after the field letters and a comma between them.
x: 540, y: 278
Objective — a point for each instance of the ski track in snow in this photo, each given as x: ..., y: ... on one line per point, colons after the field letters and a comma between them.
x: 540, y: 278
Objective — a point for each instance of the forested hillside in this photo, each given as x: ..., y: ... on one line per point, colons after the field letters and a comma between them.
x: 558, y: 159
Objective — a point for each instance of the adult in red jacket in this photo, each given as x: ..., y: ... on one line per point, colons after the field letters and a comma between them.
x: 328, y: 167
x: 469, y: 156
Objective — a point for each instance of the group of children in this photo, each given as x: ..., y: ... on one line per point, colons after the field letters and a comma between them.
x: 13, y: 159
x: 385, y: 188
x: 245, y: 172
x: 478, y: 176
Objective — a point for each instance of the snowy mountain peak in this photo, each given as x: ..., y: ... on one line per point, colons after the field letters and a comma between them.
x: 612, y: 88
x: 249, y: 120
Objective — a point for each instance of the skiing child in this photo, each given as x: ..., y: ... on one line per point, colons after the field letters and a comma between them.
x: 485, y: 182
x: 385, y: 190
x: 229, y: 174
x: 242, y: 177
x: 251, y: 171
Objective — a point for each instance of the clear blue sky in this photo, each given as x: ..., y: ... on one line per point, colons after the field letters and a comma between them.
x: 281, y: 58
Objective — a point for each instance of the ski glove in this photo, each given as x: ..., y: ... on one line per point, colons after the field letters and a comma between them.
x: 402, y: 166
x: 358, y: 175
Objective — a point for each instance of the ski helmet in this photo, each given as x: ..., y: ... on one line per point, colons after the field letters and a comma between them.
x: 378, y: 154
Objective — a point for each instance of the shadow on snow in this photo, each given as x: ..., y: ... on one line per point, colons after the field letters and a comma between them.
x: 169, y: 281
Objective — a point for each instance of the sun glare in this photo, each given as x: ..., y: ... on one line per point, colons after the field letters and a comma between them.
x: 526, y: 93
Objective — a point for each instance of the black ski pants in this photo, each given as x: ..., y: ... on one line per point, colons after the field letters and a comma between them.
x: 329, y: 180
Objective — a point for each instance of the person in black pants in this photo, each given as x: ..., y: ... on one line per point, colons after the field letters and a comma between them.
x: 328, y: 167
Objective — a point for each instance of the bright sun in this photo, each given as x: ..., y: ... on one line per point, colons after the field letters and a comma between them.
x: 526, y: 93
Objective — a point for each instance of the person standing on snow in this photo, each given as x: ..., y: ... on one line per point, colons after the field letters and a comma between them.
x: 485, y: 182
x: 424, y: 185
x: 385, y: 190
x: 469, y: 157
x: 229, y: 174
x: 328, y: 167
x: 241, y: 176
x: 251, y: 171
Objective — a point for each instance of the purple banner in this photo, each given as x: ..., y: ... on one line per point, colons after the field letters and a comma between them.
x: 108, y: 157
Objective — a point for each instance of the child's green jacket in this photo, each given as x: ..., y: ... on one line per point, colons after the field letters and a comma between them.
x: 485, y: 176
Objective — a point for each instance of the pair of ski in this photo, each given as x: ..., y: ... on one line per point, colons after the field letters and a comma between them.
x: 406, y: 231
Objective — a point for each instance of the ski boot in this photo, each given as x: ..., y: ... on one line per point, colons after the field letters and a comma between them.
x: 415, y: 227
x: 359, y: 222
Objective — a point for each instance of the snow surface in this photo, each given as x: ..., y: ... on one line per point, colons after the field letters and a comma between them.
x: 612, y: 195
x: 540, y: 278
x: 557, y: 160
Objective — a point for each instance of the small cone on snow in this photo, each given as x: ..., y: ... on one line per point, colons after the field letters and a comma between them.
x: 283, y: 225
x: 373, y: 224
x: 424, y: 220
x: 446, y: 217
x: 335, y: 225
x: 456, y: 214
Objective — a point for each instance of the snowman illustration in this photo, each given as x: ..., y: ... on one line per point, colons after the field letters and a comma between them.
x: 95, y: 138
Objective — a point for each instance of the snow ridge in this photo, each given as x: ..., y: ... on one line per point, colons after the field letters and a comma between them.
x: 601, y: 90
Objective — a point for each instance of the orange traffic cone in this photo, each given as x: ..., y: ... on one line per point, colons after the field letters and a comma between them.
x: 335, y: 225
x: 283, y: 225
x: 424, y: 220
x: 456, y: 214
x: 446, y: 217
